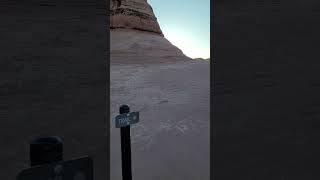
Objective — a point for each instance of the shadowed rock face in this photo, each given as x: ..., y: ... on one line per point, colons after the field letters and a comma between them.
x: 133, y: 14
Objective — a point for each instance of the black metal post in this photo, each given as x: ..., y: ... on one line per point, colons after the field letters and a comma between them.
x: 46, y: 150
x: 125, y: 147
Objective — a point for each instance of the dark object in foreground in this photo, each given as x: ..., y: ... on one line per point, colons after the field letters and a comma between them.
x: 125, y: 146
x: 46, y: 150
x: 46, y: 159
x: 78, y: 169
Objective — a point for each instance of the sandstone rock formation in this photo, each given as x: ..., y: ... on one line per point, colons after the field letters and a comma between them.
x: 130, y: 46
x: 136, y: 36
x: 133, y: 14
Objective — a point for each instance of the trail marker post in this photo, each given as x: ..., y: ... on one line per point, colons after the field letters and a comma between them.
x: 123, y: 121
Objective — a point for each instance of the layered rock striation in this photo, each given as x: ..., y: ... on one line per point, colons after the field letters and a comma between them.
x: 133, y: 14
x: 131, y: 46
x: 135, y: 35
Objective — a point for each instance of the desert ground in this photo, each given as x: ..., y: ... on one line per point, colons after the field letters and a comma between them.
x: 172, y: 94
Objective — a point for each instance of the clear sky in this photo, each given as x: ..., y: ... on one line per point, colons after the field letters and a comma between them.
x: 186, y: 24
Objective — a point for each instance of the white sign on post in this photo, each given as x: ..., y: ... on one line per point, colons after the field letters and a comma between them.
x: 123, y: 120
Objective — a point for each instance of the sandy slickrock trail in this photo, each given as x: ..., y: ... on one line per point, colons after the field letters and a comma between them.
x: 171, y: 141
x: 172, y: 93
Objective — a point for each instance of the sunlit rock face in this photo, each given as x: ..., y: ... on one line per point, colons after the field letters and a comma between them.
x: 136, y: 36
x: 133, y: 14
x: 132, y: 46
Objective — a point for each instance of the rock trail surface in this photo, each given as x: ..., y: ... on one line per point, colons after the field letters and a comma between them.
x: 172, y: 93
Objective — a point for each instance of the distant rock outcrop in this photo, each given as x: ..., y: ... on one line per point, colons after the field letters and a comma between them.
x: 136, y: 36
x: 133, y: 14
x: 129, y: 46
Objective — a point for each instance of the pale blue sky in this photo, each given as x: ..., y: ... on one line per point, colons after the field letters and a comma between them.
x: 186, y: 24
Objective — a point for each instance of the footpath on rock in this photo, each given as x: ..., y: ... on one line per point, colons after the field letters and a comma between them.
x: 170, y: 90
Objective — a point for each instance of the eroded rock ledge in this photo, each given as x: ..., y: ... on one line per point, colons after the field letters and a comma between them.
x: 133, y: 14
